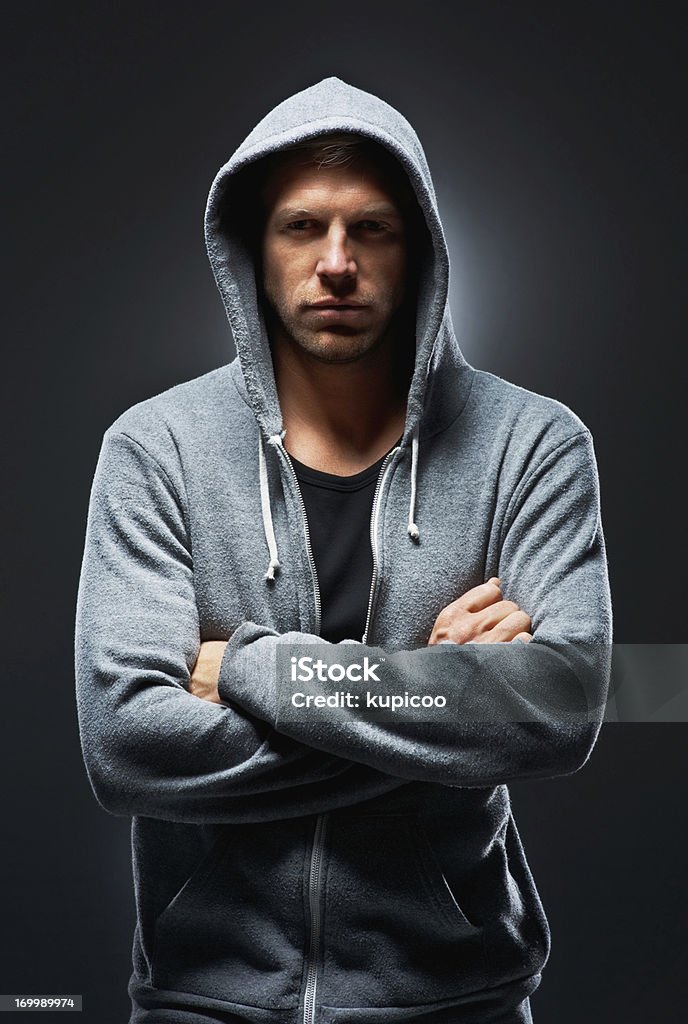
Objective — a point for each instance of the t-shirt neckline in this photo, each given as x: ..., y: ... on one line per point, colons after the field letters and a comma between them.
x: 334, y: 482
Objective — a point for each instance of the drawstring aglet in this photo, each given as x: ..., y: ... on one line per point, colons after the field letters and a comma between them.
x: 272, y: 569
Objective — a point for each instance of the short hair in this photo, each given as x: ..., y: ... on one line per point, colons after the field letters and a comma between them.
x: 338, y: 149
x: 342, y: 149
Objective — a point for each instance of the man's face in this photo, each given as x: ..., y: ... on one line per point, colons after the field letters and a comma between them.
x: 334, y: 257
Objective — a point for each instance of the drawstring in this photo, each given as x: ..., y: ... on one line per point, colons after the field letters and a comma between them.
x: 412, y: 529
x: 265, y: 506
x: 266, y: 509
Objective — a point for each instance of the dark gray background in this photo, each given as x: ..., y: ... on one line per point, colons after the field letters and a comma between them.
x: 555, y: 135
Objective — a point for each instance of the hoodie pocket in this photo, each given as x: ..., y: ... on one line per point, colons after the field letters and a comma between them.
x: 395, y: 932
x: 437, y: 882
x: 520, y: 942
x: 234, y: 930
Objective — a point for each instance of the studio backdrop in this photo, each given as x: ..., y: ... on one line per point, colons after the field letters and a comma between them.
x: 555, y: 139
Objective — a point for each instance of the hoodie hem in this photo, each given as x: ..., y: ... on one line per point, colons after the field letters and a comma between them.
x: 501, y: 1004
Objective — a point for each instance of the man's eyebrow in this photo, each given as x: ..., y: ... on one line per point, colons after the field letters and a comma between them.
x: 291, y: 212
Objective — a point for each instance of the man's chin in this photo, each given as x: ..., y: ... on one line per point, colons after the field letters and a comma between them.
x: 337, y: 345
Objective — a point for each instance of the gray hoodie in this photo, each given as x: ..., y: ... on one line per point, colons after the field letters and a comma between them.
x: 321, y: 866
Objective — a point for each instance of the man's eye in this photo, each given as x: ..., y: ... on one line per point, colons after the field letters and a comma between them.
x: 372, y: 225
x: 298, y: 225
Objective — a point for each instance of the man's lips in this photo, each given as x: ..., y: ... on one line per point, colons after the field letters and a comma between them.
x: 335, y: 304
x: 336, y: 311
x: 337, y: 314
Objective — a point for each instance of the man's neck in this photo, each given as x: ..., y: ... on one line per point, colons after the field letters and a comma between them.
x: 340, y: 417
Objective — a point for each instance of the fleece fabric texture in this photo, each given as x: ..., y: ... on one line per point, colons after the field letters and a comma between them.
x: 332, y: 868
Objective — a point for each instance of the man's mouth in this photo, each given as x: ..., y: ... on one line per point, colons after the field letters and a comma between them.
x: 335, y: 304
x: 339, y: 313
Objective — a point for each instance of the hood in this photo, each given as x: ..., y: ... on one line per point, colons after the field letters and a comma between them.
x: 441, y: 376
x: 332, y: 106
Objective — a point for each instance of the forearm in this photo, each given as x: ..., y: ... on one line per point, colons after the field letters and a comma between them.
x: 508, y: 711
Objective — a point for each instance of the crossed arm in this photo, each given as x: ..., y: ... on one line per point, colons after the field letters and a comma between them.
x: 479, y: 616
x: 153, y: 748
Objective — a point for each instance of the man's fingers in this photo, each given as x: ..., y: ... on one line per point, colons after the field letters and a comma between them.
x: 481, y: 615
x: 206, y: 671
x: 496, y: 612
x: 479, y: 597
x: 515, y: 624
x: 525, y: 637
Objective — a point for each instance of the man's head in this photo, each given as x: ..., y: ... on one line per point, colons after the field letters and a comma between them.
x: 338, y: 218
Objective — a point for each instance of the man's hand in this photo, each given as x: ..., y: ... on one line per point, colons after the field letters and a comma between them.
x: 206, y: 671
x: 482, y: 617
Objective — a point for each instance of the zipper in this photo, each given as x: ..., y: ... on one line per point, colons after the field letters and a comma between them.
x: 373, y: 540
x: 314, y: 876
x: 310, y: 991
x: 309, y: 549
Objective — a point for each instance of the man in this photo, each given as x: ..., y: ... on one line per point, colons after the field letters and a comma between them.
x: 348, y: 486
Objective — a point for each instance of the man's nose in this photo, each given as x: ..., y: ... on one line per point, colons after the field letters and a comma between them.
x: 336, y: 259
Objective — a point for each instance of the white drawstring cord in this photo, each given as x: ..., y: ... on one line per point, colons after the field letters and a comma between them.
x: 412, y: 529
x: 266, y: 508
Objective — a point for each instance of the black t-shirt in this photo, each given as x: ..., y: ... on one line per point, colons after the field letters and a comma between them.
x: 338, y: 509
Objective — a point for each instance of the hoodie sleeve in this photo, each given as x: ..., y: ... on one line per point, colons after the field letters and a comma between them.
x: 150, y: 746
x: 514, y: 711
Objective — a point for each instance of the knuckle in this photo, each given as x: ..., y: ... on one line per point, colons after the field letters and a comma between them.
x: 461, y: 632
